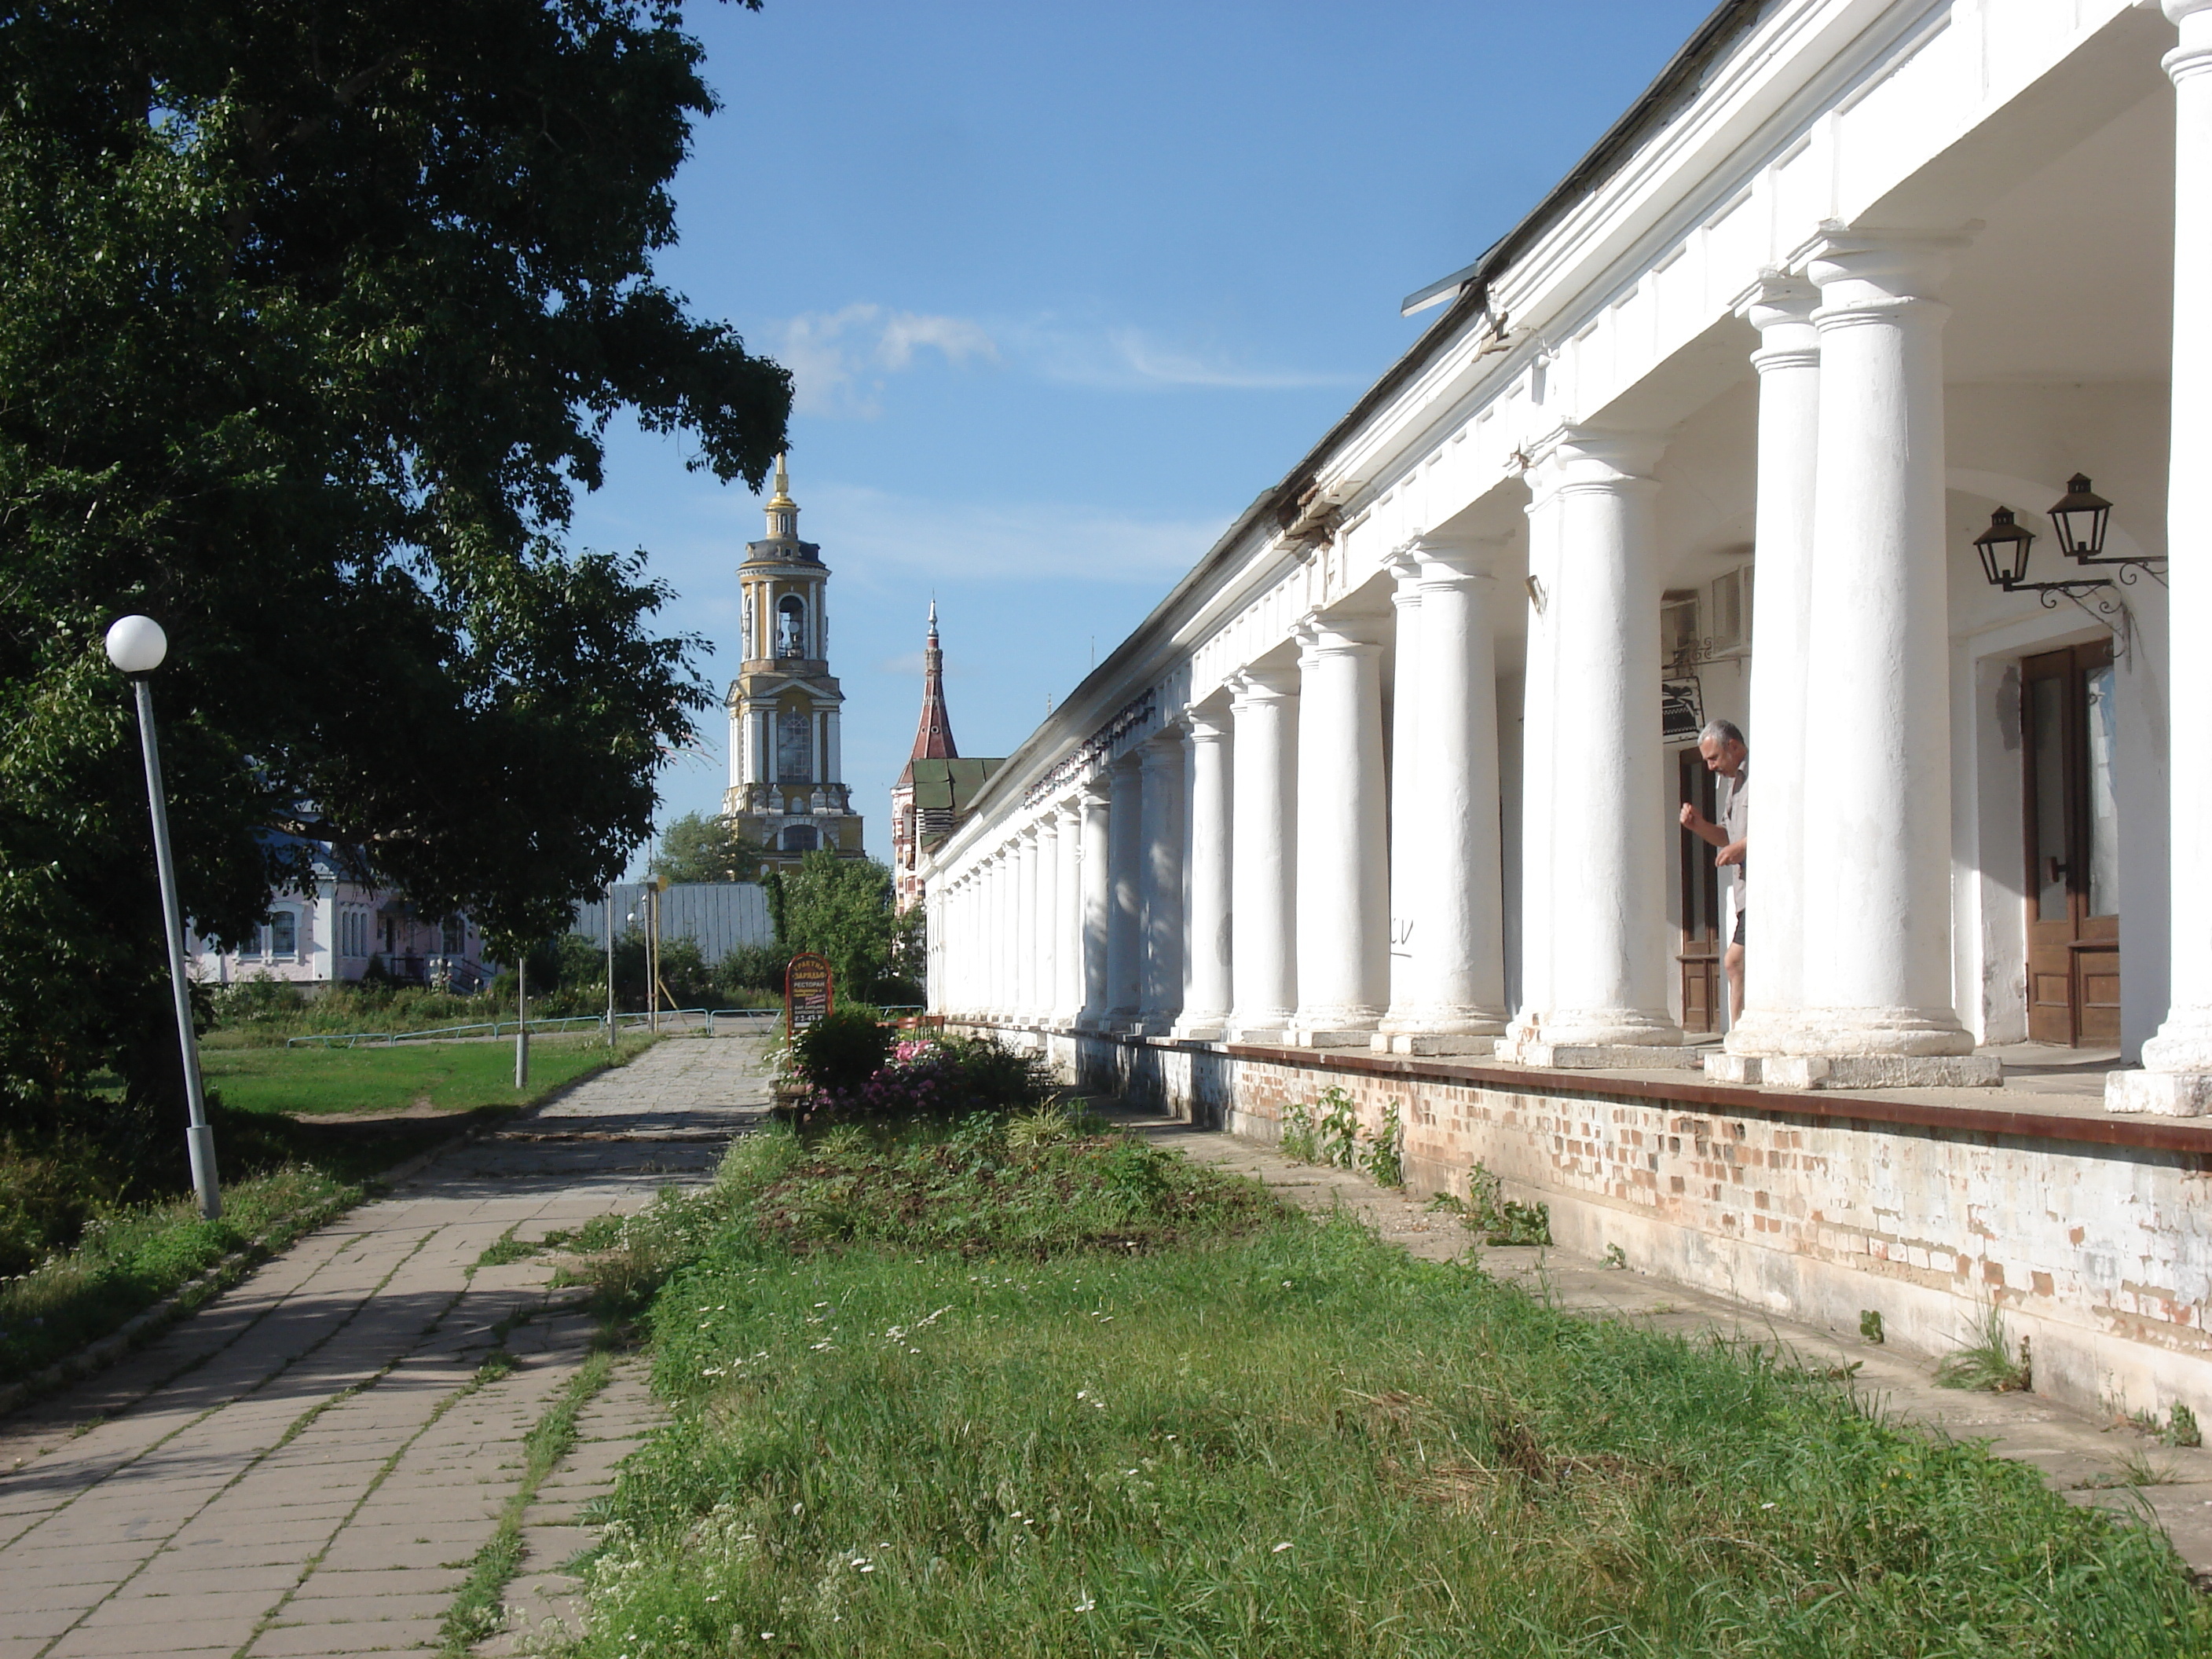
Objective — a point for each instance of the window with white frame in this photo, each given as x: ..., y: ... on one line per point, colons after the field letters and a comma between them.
x: 284, y: 933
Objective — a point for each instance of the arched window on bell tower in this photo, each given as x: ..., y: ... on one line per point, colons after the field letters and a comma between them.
x: 791, y: 626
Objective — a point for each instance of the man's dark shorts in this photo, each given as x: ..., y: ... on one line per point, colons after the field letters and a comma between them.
x: 1739, y: 928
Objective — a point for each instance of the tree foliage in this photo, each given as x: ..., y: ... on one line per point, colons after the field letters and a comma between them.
x: 312, y: 319
x: 703, y: 846
x: 839, y: 909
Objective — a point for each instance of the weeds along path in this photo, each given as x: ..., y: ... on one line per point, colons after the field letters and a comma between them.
x: 323, y: 1459
x: 2089, y: 1462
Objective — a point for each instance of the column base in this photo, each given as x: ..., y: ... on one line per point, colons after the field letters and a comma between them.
x: 1600, y: 1056
x: 1608, y: 1028
x: 1199, y: 1028
x: 1764, y: 1031
x: 1725, y: 1067
x: 1881, y: 1072
x: 1152, y: 1025
x: 2167, y: 1094
x: 1433, y: 1043
x: 1308, y: 1037
x: 1872, y: 1033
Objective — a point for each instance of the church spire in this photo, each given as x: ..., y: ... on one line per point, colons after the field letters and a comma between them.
x: 934, y: 740
x: 783, y: 510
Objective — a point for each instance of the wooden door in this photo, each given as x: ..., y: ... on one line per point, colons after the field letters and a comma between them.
x: 1700, y: 956
x: 2073, y: 847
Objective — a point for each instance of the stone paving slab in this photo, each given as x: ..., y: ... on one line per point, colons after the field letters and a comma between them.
x: 307, y: 1465
x: 546, y: 1604
x: 2083, y: 1459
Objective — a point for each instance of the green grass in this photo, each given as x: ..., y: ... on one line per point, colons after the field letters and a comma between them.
x: 450, y: 1077
x: 897, y: 1431
x: 475, y: 1610
x: 127, y: 1260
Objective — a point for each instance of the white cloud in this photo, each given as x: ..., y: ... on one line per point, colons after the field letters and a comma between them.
x: 837, y: 358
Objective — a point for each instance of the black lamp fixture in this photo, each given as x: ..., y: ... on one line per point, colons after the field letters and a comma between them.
x: 2003, y: 547
x: 2080, y: 517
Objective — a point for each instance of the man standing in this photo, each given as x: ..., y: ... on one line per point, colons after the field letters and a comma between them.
x: 1722, y: 747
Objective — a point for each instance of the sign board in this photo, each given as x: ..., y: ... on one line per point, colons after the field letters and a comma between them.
x: 806, y: 999
x: 1681, y: 710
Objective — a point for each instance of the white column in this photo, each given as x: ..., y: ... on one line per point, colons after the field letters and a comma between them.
x: 1343, y: 858
x: 1097, y: 904
x: 1006, y: 911
x: 1453, y: 971
x: 1068, y: 917
x: 1788, y: 364
x: 1406, y: 832
x: 1608, y: 836
x: 1538, y: 687
x: 1046, y: 1002
x: 1125, y: 940
x: 1877, y: 958
x: 989, y: 936
x: 2177, y: 1074
x: 1026, y: 862
x: 1161, y: 887
x: 1263, y: 826
x: 1207, y: 984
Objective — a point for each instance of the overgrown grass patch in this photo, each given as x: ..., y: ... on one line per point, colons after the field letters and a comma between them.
x: 907, y: 1423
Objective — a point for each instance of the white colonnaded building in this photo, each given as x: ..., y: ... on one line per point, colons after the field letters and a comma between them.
x: 1746, y: 420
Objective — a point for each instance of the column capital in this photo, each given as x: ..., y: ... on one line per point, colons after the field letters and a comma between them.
x: 1162, y: 750
x: 1324, y: 635
x: 1873, y: 271
x: 1068, y: 808
x: 1775, y: 298
x: 1207, y: 725
x: 1574, y: 457
x: 1451, y: 562
x: 2193, y: 57
x: 1404, y: 564
x: 1092, y: 792
x: 1258, y: 685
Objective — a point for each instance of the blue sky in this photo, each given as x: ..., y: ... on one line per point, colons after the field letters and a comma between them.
x: 1064, y: 288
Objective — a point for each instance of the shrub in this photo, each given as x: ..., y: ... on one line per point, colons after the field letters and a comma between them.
x: 933, y: 1079
x: 839, y: 1054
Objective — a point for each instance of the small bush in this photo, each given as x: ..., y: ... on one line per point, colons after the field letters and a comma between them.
x: 1384, y: 1160
x: 1986, y: 1362
x: 1497, y: 1218
x: 839, y: 1054
x: 934, y: 1079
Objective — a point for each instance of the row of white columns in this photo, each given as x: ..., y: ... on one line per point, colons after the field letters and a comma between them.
x: 1279, y: 927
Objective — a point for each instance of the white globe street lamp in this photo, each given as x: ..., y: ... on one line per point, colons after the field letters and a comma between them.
x: 137, y: 646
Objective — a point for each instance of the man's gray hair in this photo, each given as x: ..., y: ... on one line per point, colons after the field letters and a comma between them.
x: 1723, y: 731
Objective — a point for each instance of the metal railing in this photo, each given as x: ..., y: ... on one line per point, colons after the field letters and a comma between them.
x: 492, y: 1029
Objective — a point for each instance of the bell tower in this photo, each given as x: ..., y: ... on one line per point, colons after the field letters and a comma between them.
x: 786, y: 795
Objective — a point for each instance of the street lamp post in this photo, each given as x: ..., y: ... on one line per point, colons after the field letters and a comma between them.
x: 136, y: 646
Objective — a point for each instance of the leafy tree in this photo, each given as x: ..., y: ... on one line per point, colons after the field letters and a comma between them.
x: 698, y: 847
x: 839, y: 909
x: 312, y: 319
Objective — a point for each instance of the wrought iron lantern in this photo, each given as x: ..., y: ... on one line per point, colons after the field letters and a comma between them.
x: 2080, y: 517
x: 2003, y: 547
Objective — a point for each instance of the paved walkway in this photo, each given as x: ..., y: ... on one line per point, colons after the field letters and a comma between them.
x: 308, y: 1466
x: 2088, y: 1461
